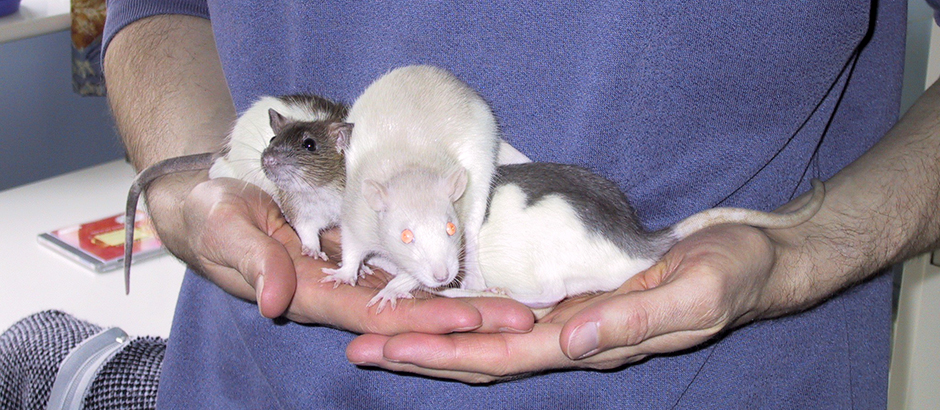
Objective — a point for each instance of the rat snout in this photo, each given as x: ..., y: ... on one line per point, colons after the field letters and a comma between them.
x: 271, y: 167
x: 440, y: 273
x: 269, y: 161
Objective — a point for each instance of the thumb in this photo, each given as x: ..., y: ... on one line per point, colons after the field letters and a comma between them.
x: 667, y: 318
x: 250, y: 242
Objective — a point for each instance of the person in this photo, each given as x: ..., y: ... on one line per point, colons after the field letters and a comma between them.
x: 685, y: 106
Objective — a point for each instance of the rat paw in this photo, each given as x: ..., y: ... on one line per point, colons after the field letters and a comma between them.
x: 315, y: 253
x: 339, y: 276
x: 388, y: 296
x: 473, y: 280
x: 366, y: 270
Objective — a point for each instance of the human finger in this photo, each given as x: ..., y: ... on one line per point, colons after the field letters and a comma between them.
x: 347, y: 306
x: 468, y: 357
x: 699, y: 288
x: 631, y: 318
x: 243, y: 243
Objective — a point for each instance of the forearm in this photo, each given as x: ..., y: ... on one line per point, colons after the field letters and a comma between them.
x: 880, y: 210
x: 169, y: 98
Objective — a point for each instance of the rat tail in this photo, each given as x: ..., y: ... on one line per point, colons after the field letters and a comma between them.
x: 184, y: 163
x: 750, y: 217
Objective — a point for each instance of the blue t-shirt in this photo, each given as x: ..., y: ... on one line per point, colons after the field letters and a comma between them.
x: 686, y: 105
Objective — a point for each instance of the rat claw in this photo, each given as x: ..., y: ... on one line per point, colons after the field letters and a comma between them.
x: 314, y: 253
x: 386, y: 296
x: 338, y: 276
x: 366, y: 270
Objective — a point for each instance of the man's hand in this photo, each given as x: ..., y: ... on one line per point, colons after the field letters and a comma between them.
x: 715, y: 279
x: 879, y: 210
x: 237, y: 237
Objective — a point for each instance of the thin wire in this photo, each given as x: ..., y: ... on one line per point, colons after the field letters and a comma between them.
x: 700, y: 368
x: 851, y: 61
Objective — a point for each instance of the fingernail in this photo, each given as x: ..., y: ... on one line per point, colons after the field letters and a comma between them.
x: 465, y: 329
x: 259, y: 287
x: 365, y: 364
x: 583, y: 341
x: 512, y: 330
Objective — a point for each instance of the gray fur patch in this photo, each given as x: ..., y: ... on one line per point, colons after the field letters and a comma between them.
x: 334, y: 111
x: 600, y: 205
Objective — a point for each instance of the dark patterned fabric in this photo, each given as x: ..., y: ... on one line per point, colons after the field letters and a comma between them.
x: 87, y: 26
x: 30, y: 353
x: 32, y: 350
x: 130, y: 379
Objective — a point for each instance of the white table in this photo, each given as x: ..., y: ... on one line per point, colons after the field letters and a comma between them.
x: 35, y: 17
x: 34, y: 278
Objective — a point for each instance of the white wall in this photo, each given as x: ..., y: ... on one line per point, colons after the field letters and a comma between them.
x: 46, y: 129
x: 915, y: 359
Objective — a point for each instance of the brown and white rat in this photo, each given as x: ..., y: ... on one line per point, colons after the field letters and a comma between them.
x: 305, y: 161
x: 289, y: 146
x: 554, y: 231
x: 419, y: 165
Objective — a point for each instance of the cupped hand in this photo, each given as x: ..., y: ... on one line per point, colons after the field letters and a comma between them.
x: 716, y: 279
x: 235, y: 235
x: 345, y: 306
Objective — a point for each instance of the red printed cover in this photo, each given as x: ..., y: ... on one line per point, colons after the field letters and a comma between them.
x: 100, y: 244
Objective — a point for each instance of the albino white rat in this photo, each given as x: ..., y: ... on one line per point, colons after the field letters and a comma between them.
x: 421, y: 158
x: 554, y: 231
x: 290, y: 146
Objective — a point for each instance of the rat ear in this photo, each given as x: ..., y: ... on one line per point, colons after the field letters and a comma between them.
x: 456, y: 183
x: 341, y: 131
x: 278, y: 122
x: 376, y: 195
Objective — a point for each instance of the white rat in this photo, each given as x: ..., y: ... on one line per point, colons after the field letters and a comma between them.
x: 419, y: 165
x: 290, y: 146
x: 554, y: 231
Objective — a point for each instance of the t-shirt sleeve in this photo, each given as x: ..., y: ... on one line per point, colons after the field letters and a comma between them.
x: 936, y: 9
x: 124, y: 12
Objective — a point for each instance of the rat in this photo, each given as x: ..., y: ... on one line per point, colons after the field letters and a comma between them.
x: 305, y: 161
x: 289, y: 146
x: 420, y: 161
x: 553, y: 231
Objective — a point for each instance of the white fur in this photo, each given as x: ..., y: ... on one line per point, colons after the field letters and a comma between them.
x: 508, y: 154
x: 542, y: 254
x: 416, y: 117
x: 314, y: 211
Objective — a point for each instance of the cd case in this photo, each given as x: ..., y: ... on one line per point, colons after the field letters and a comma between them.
x: 99, y: 245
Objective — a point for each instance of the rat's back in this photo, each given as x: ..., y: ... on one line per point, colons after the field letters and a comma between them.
x: 416, y: 115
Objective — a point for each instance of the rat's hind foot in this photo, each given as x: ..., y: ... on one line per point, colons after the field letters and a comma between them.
x: 341, y: 275
x: 314, y: 253
x: 399, y: 287
x: 464, y: 293
x: 387, y: 295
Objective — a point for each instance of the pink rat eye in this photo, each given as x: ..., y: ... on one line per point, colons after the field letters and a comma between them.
x: 407, y: 236
x: 451, y: 228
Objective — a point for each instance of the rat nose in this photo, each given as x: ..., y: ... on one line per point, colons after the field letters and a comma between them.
x: 441, y: 274
x: 268, y: 161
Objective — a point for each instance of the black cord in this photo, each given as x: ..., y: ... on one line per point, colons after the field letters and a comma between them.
x: 850, y: 64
